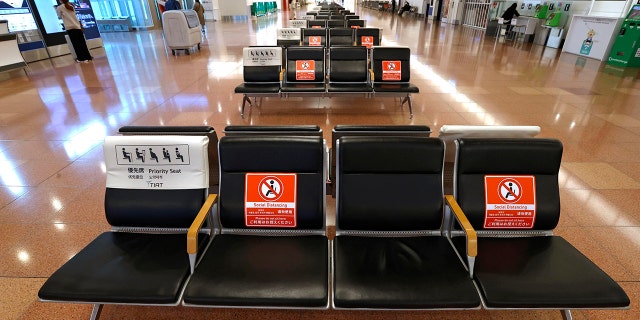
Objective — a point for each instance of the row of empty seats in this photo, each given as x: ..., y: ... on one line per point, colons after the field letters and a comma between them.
x: 322, y: 37
x: 400, y: 242
x: 350, y: 70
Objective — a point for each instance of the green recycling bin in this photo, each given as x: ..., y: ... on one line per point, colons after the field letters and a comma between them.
x: 626, y: 49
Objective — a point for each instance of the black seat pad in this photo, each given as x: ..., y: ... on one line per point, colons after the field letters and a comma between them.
x: 349, y: 87
x: 395, y: 87
x: 541, y: 272
x: 123, y: 267
x: 258, y: 88
x: 243, y: 270
x: 403, y: 273
x: 303, y: 87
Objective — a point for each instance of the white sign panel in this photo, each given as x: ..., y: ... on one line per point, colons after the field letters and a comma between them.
x: 156, y: 162
x: 297, y: 24
x: 262, y: 56
x: 289, y: 34
x: 591, y: 37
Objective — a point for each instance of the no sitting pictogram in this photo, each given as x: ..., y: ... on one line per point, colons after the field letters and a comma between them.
x: 271, y: 188
x: 510, y: 202
x: 510, y: 190
x: 270, y: 200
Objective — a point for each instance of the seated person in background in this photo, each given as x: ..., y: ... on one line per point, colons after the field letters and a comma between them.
x: 508, y: 15
x: 172, y: 5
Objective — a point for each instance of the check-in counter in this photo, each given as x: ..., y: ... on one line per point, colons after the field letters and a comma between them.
x: 529, y: 26
x: 10, y: 57
x: 4, y: 26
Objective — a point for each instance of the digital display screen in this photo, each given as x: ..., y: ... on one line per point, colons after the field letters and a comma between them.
x: 635, y: 13
x: 49, y: 16
x: 51, y: 26
x: 18, y: 14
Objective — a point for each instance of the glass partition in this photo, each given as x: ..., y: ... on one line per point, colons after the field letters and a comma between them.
x: 137, y: 11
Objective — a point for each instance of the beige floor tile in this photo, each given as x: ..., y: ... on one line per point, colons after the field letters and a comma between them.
x: 600, y: 175
x: 621, y: 120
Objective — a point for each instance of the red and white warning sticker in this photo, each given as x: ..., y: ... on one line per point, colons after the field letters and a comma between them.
x: 270, y: 200
x: 315, y: 41
x: 305, y: 70
x: 367, y: 41
x: 391, y: 70
x: 510, y: 202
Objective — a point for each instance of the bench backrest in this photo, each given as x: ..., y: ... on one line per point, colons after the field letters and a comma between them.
x: 261, y: 64
x: 293, y: 130
x: 353, y: 23
x: 340, y: 37
x: 391, y: 64
x: 335, y: 23
x: 368, y: 37
x: 348, y: 64
x: 155, y: 181
x: 317, y: 24
x: 305, y: 65
x: 315, y: 37
x: 449, y: 133
x: 243, y: 155
x: 288, y: 37
x: 207, y: 131
x: 389, y: 184
x: 490, y: 170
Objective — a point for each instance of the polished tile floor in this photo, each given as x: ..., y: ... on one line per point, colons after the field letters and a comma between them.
x: 54, y: 116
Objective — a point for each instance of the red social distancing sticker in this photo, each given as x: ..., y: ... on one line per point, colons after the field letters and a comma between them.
x: 305, y: 70
x: 510, y: 202
x: 391, y: 70
x: 270, y: 200
x: 367, y: 41
x: 315, y: 41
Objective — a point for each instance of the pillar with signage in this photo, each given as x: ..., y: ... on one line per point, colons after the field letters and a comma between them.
x: 626, y: 48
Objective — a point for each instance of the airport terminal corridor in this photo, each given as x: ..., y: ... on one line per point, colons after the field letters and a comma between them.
x: 55, y: 114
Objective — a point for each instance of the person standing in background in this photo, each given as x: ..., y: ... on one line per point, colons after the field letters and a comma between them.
x: 199, y: 9
x: 508, y: 15
x: 72, y: 25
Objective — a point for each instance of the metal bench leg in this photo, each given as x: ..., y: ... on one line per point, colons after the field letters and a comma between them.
x: 566, y: 314
x: 95, y: 313
x: 408, y: 100
x: 245, y: 99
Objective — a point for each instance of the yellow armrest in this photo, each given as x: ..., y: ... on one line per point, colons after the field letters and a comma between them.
x: 371, y: 74
x: 281, y: 75
x: 472, y: 237
x: 192, y: 234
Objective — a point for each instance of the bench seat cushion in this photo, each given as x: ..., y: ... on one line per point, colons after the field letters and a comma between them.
x: 400, y: 273
x: 349, y: 87
x: 541, y: 272
x: 273, y: 271
x: 395, y: 87
x: 120, y: 267
x: 303, y: 87
x: 266, y: 88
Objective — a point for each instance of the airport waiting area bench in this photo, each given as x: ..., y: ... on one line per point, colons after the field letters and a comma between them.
x: 317, y: 71
x: 400, y: 243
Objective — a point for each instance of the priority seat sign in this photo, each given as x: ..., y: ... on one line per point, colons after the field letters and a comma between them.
x: 510, y: 202
x: 270, y: 200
